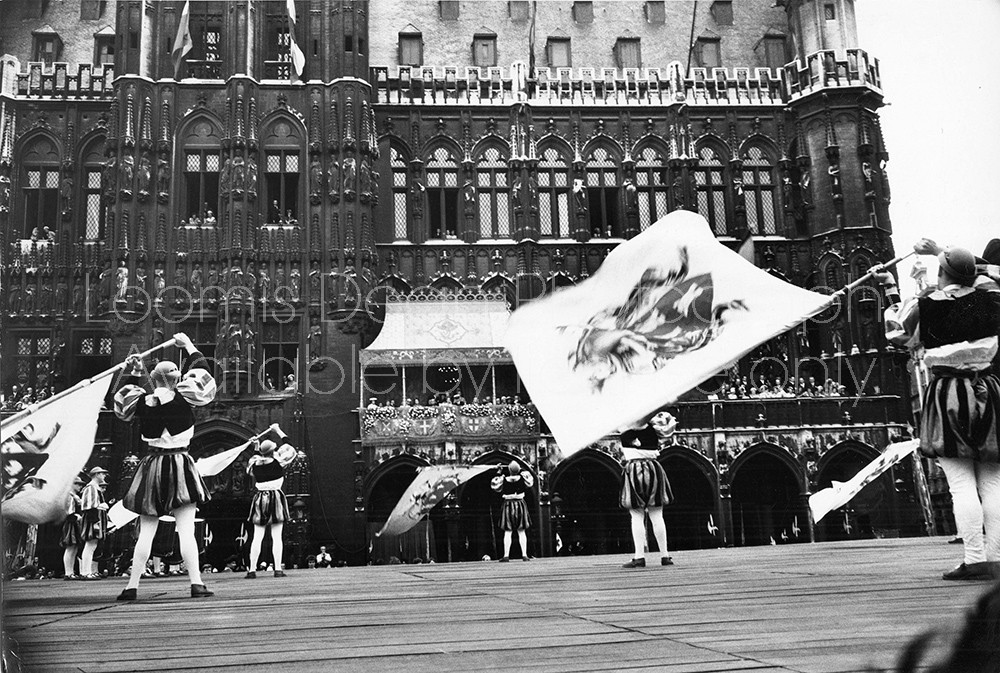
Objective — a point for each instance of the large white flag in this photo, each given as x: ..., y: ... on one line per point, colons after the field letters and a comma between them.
x: 840, y: 493
x: 666, y: 310
x: 431, y: 485
x: 182, y: 41
x: 45, y: 450
x: 298, y: 58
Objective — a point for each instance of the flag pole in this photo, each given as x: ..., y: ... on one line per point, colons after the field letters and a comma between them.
x: 82, y: 384
x: 875, y: 270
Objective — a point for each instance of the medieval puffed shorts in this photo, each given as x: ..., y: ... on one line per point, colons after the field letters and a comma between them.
x: 645, y: 485
x: 514, y: 515
x: 165, y: 480
x: 268, y: 507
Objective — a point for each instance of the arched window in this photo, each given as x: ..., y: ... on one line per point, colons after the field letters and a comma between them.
x: 651, y: 181
x: 553, y: 194
x: 709, y: 178
x: 494, y: 212
x: 201, y: 171
x: 758, y: 192
x: 93, y: 223
x: 40, y: 187
x: 282, y: 148
x: 398, y: 166
x: 602, y: 192
x: 442, y: 194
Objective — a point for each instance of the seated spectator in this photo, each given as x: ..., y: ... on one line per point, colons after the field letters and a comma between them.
x: 323, y: 558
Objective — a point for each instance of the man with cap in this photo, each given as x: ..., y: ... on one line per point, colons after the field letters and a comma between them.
x: 958, y: 326
x: 94, y: 521
x: 69, y: 534
x: 514, y: 516
x: 269, y: 508
x: 166, y: 480
x: 645, y: 488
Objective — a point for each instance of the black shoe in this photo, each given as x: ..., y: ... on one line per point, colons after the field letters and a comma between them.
x: 505, y: 559
x: 127, y: 595
x: 666, y: 561
x: 525, y: 558
x: 200, y: 591
x: 250, y: 575
x: 956, y: 540
x: 970, y: 571
x: 280, y: 573
x: 635, y: 563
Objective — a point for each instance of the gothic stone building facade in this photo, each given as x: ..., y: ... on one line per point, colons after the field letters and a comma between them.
x: 451, y: 156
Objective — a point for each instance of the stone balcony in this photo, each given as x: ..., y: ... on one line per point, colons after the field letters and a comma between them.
x: 57, y: 81
x: 448, y: 85
x: 470, y: 422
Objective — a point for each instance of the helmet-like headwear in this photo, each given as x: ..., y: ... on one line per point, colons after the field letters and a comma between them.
x: 165, y: 375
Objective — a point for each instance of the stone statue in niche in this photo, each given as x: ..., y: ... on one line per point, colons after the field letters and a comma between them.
x: 239, y: 176
x: 805, y: 186
x: 295, y: 282
x: 315, y: 340
x: 66, y: 187
x: 62, y: 296
x: 532, y: 193
x: 196, y: 283
x: 234, y: 346
x: 145, y: 174
x: 250, y: 279
x: 212, y: 291
x: 250, y: 341
x: 121, y: 281
x: 886, y: 195
x: 469, y: 199
x: 264, y: 285
x: 280, y: 287
x: 108, y: 175
x: 349, y: 172
x: 225, y: 177
x: 580, y: 197
x: 162, y: 180
x: 365, y: 181
x: 125, y: 174
x: 834, y: 172
x: 517, y: 193
x: 159, y: 284
x: 417, y: 190
x: 374, y: 189
x: 315, y: 282
x: 866, y: 171
x: 315, y: 181
x: 45, y: 298
x: 140, y: 284
x: 631, y: 194
x: 333, y: 180
x: 180, y: 285
x: 251, y: 179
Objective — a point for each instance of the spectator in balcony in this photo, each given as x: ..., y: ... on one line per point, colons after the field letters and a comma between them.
x: 512, y: 484
x: 958, y: 326
x: 646, y: 488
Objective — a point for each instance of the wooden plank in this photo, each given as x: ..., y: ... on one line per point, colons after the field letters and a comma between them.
x: 819, y: 608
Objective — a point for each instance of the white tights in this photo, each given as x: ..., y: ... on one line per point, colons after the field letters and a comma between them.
x: 277, y: 548
x: 69, y: 560
x: 87, y: 558
x: 184, y: 519
x: 639, y: 530
x: 522, y: 538
x: 975, y: 495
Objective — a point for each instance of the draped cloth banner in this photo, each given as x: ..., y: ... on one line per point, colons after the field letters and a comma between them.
x: 666, y: 310
x: 823, y: 502
x: 431, y: 485
x: 44, y: 450
x: 210, y: 466
x: 182, y: 41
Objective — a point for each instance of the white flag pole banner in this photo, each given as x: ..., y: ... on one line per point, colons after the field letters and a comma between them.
x: 58, y: 438
x: 429, y: 487
x: 823, y: 502
x: 665, y: 311
x: 118, y: 516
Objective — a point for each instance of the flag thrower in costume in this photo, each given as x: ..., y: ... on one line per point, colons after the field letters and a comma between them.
x: 666, y: 310
x: 431, y: 485
x: 45, y: 446
x: 823, y: 502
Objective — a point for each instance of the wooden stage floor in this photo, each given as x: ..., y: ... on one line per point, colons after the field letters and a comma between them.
x: 807, y: 608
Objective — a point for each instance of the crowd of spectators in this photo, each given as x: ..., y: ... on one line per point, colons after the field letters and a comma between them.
x: 440, y: 399
x: 22, y: 397
x: 737, y: 388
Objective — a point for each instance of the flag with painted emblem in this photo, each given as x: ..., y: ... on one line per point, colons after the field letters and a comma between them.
x: 430, y: 486
x: 44, y: 450
x: 183, y: 43
x: 666, y: 310
x: 840, y: 493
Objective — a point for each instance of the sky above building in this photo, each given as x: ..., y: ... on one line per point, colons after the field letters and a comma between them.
x: 939, y: 64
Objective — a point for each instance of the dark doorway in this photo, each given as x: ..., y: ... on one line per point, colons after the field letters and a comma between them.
x: 691, y: 520
x: 479, y: 533
x: 224, y: 531
x: 592, y: 521
x: 766, y: 503
x: 868, y: 511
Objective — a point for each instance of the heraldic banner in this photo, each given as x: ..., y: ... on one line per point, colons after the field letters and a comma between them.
x: 840, y: 493
x: 666, y: 310
x: 43, y: 452
x: 432, y: 484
